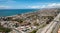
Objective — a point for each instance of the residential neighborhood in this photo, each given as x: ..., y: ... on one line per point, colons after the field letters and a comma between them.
x: 29, y: 22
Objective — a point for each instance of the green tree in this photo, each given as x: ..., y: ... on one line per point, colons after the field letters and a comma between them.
x: 36, y: 24
x: 34, y: 31
x: 3, y: 29
x: 19, y: 20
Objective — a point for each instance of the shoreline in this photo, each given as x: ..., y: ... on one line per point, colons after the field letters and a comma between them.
x: 21, y: 13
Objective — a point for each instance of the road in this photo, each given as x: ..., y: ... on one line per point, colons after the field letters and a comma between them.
x: 15, y: 31
x: 53, y: 25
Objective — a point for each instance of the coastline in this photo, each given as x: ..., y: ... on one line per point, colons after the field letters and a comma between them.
x: 17, y: 12
x: 21, y: 14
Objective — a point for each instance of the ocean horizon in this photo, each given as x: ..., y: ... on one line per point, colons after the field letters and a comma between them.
x: 10, y: 12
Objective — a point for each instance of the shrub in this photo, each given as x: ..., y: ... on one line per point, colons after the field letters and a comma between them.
x: 2, y: 29
x: 34, y: 31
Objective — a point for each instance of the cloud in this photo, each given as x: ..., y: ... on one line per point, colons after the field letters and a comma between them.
x: 52, y: 5
x: 7, y: 1
x: 48, y: 5
x: 33, y: 7
x: 5, y: 7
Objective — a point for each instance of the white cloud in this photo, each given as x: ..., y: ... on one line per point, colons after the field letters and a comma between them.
x: 4, y: 7
x: 52, y: 5
x: 7, y: 1
x: 33, y: 7
x: 43, y: 6
x: 48, y: 5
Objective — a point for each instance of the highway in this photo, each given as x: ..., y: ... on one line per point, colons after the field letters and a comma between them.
x: 16, y: 31
x: 52, y: 27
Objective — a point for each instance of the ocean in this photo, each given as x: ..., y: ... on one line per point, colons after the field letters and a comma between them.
x: 10, y: 12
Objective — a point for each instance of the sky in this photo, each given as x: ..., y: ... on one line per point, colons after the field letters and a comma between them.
x: 28, y: 4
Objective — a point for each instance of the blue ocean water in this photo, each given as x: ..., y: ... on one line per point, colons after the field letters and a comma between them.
x: 9, y: 12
